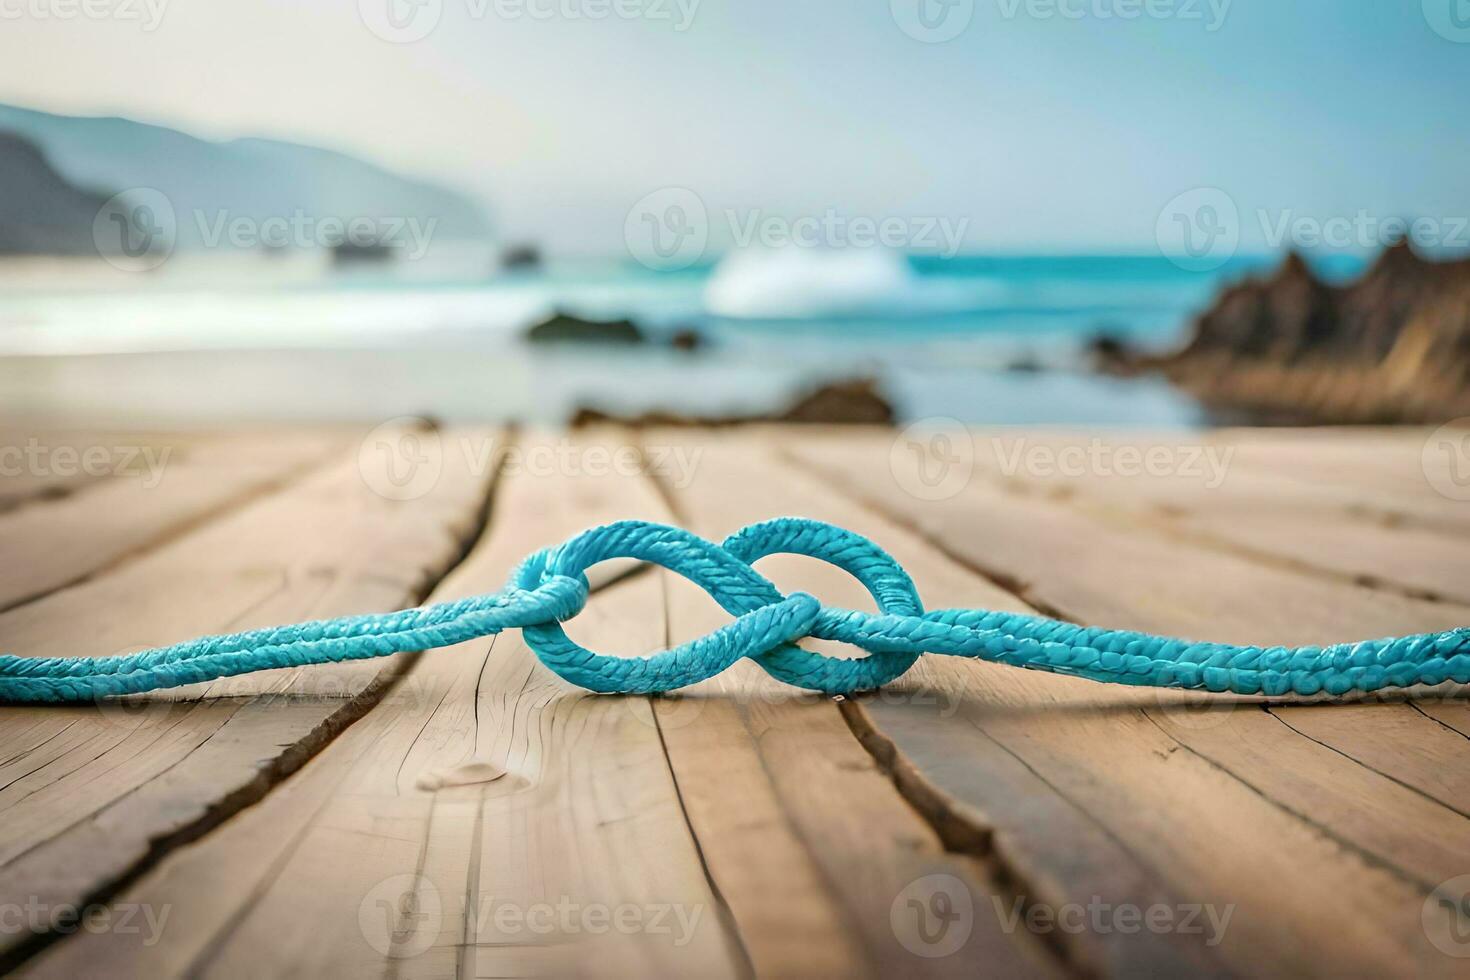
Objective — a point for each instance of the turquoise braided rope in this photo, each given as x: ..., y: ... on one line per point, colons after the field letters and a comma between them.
x: 551, y: 587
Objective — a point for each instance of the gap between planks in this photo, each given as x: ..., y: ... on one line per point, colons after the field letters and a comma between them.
x: 147, y: 780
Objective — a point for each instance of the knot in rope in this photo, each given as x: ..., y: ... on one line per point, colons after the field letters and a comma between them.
x: 767, y: 623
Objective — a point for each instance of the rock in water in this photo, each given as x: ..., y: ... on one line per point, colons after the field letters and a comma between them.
x: 686, y: 339
x: 521, y: 256
x: 566, y: 328
x: 855, y: 401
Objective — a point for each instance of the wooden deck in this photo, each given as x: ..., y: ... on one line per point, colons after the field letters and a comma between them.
x: 462, y: 812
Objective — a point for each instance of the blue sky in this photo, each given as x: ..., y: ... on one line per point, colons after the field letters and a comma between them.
x: 1044, y: 127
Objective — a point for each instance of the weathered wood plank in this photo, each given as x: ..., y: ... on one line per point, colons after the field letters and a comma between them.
x: 1397, y: 473
x: 91, y: 795
x: 1210, y: 504
x: 319, y: 878
x: 1172, y: 807
x: 1192, y: 485
x: 1046, y: 852
x: 159, y: 496
x: 38, y: 465
x: 887, y: 866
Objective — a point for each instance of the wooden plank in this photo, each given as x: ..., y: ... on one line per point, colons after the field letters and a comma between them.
x: 1453, y: 714
x: 92, y: 795
x: 1212, y: 505
x: 1190, y: 485
x: 887, y: 868
x: 162, y: 495
x: 1394, y: 472
x: 38, y: 464
x: 320, y: 877
x: 1296, y: 809
x: 1016, y: 825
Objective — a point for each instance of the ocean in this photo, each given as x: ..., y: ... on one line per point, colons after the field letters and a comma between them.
x: 993, y: 339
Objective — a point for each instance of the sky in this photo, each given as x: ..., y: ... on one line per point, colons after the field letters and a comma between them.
x: 1039, y: 125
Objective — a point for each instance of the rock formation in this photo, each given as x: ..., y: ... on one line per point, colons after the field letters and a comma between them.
x: 1394, y: 346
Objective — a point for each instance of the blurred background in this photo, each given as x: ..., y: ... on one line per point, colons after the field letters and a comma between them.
x: 1125, y: 212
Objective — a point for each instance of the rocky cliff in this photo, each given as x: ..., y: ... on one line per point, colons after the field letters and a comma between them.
x: 1393, y: 346
x: 210, y: 184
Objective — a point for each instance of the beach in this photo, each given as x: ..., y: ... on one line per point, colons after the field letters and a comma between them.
x: 999, y: 340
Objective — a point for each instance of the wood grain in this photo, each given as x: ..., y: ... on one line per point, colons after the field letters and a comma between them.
x: 93, y: 794
x: 1384, y: 857
x: 67, y: 538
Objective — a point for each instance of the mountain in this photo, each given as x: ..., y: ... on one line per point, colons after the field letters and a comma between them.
x: 52, y: 168
x: 39, y: 210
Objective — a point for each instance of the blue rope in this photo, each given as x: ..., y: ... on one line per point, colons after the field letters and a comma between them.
x: 551, y: 587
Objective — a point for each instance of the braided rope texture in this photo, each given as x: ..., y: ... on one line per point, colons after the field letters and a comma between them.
x: 551, y: 587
